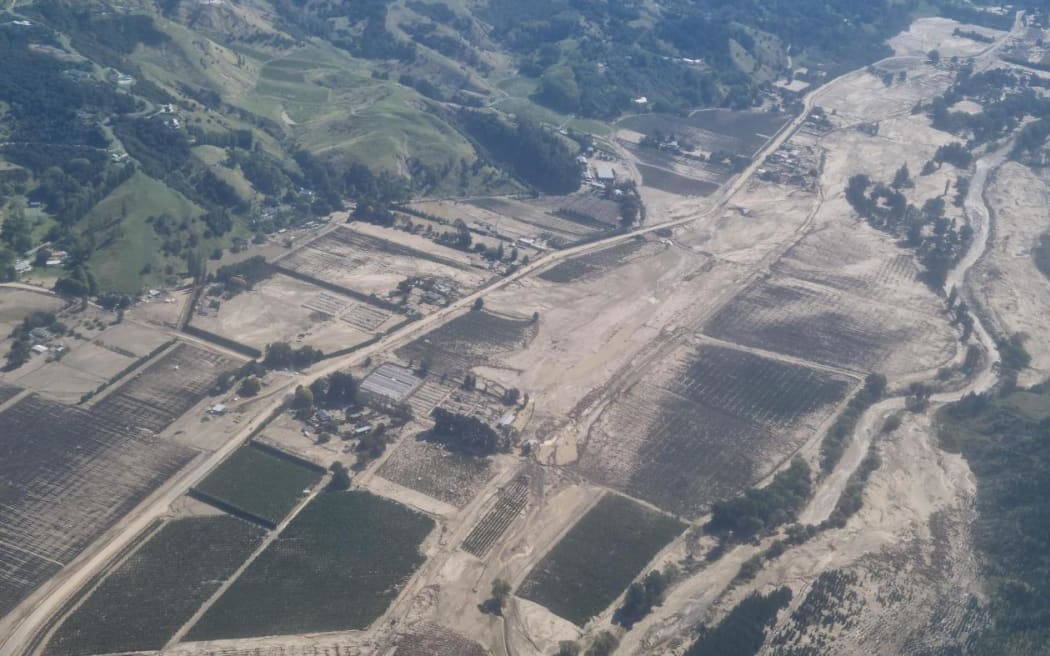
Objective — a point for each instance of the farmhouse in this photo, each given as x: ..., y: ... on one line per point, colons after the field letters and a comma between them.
x: 604, y: 173
x: 389, y: 383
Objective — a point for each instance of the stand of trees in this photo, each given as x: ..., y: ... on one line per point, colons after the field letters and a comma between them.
x: 642, y: 597
x: 834, y: 441
x: 538, y: 156
x: 466, y: 434
x: 938, y: 243
x: 1008, y: 451
x: 743, y: 630
x: 762, y: 509
x: 244, y: 274
x: 281, y: 355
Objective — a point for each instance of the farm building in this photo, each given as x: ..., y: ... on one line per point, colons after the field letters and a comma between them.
x: 389, y: 383
x: 604, y: 173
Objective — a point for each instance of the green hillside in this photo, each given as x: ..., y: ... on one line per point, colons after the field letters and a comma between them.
x: 261, y: 114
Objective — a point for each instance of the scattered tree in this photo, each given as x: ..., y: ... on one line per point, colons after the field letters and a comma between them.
x: 340, y: 477
x: 249, y: 387
x: 500, y: 592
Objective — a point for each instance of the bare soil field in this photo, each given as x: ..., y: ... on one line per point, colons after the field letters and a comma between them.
x: 131, y: 338
x: 435, y: 471
x: 74, y: 471
x: 704, y: 422
x: 16, y: 304
x: 82, y: 369
x: 469, y: 340
x: 282, y: 308
x: 932, y: 33
x: 372, y: 261
x: 1008, y: 283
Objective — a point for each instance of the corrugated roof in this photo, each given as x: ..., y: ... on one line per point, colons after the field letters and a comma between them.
x: 391, y: 381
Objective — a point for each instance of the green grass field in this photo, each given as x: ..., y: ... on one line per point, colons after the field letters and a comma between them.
x: 118, y: 266
x: 152, y: 594
x: 259, y: 483
x: 598, y: 558
x: 337, y: 566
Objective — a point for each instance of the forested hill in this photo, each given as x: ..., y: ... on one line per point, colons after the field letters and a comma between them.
x: 143, y: 136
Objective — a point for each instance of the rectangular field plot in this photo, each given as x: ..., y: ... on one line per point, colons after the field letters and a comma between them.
x: 541, y: 218
x: 259, y: 483
x: 468, y: 341
x: 368, y: 265
x: 435, y: 471
x: 8, y: 392
x: 70, y: 472
x: 166, y: 389
x: 157, y: 589
x: 857, y: 260
x: 592, y: 210
x: 598, y: 558
x: 675, y: 183
x: 817, y: 322
x: 68, y: 475
x: 592, y: 264
x: 706, y: 422
x: 430, y: 639
x: 283, y: 308
x: 511, y: 500
x: 337, y: 567
x: 741, y: 133
x: 20, y: 573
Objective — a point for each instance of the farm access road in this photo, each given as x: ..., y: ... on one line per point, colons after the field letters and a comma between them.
x: 24, y: 625
x: 689, y: 605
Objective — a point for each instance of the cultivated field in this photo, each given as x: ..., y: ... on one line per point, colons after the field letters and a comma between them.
x: 283, y: 308
x: 598, y: 558
x: 467, y: 341
x: 149, y: 596
x: 435, y: 471
x: 337, y: 566
x: 737, y: 132
x: 509, y: 218
x: 675, y: 183
x: 71, y: 472
x: 705, y: 422
x: 842, y: 307
x: 510, y: 501
x: 539, y: 215
x: 593, y: 263
x: 259, y: 483
x: 434, y: 640
x: 369, y: 265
